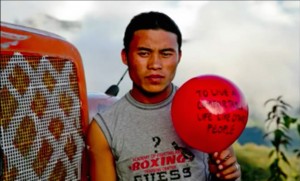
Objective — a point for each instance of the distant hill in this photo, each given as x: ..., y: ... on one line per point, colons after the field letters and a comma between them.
x: 253, y: 135
x: 256, y: 135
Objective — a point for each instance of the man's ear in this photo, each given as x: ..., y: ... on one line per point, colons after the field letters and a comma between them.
x: 179, y: 55
x: 124, y: 57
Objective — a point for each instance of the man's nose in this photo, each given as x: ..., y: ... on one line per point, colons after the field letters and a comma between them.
x: 154, y: 62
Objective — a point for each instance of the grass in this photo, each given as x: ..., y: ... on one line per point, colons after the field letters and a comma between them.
x: 254, y: 161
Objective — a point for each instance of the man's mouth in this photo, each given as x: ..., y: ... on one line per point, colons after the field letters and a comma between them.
x: 154, y: 78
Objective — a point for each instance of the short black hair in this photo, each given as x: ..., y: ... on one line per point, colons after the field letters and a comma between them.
x: 151, y: 20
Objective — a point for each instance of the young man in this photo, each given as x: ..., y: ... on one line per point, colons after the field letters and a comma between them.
x: 134, y: 140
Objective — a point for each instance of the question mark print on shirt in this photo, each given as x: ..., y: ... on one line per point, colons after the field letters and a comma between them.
x: 156, y: 140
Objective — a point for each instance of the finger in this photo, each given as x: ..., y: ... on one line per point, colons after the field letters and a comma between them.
x: 232, y: 175
x: 227, y: 163
x: 213, y: 157
x: 223, y: 155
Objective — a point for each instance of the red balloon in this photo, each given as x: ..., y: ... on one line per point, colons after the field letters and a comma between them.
x: 209, y: 113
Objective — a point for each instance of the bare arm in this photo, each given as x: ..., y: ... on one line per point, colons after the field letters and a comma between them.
x: 102, y: 165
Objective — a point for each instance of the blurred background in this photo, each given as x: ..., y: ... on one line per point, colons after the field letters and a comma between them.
x: 255, y: 44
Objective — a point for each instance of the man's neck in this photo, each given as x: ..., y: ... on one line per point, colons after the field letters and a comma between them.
x: 151, y: 98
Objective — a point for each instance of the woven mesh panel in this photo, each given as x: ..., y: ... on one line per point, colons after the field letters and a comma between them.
x: 40, y: 126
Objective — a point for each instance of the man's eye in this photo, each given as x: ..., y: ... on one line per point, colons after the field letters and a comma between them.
x: 143, y: 54
x: 166, y: 54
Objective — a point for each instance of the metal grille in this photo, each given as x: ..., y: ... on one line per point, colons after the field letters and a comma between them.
x: 40, y: 126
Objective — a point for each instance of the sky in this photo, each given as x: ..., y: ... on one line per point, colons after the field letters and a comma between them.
x: 255, y: 44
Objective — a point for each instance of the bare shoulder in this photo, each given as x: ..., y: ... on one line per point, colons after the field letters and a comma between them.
x: 96, y: 138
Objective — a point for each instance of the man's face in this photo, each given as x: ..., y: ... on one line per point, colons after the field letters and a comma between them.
x: 152, y: 60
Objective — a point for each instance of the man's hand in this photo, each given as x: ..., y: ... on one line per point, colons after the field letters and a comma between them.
x: 224, y: 166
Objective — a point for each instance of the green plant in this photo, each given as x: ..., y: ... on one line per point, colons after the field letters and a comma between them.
x: 297, y: 151
x: 278, y: 123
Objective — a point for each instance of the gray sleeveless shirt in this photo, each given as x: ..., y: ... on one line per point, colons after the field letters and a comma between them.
x: 145, y: 144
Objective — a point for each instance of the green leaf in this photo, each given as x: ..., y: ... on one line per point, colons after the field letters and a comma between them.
x: 284, y: 103
x: 267, y: 134
x: 271, y: 153
x: 284, y: 129
x: 269, y: 116
x: 275, y: 144
x: 285, y: 143
x: 285, y: 158
x: 288, y: 138
x: 293, y: 120
x: 276, y: 161
x: 288, y: 121
x: 278, y: 120
x: 274, y: 109
x: 278, y: 135
x: 269, y: 100
x: 283, y: 107
x: 283, y: 174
